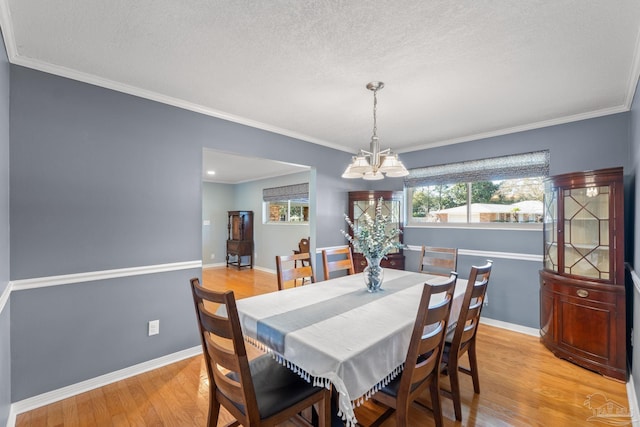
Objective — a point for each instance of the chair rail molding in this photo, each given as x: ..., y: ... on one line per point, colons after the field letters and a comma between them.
x: 65, y: 279
x: 4, y: 298
x: 489, y: 254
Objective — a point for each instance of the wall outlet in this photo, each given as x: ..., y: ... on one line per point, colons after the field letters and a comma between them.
x: 154, y: 327
x: 213, y: 256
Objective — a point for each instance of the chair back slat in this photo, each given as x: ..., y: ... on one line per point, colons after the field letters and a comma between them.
x: 438, y: 261
x: 339, y: 259
x: 304, y: 246
x: 223, y: 348
x: 288, y: 270
x: 425, y: 348
x: 471, y: 309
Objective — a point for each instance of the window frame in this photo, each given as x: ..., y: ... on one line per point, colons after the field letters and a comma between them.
x: 297, y: 194
x: 266, y: 208
x: 475, y: 171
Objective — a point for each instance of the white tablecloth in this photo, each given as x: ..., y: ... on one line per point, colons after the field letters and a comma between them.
x: 335, y: 332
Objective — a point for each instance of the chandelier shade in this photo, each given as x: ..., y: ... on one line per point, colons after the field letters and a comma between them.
x: 375, y: 164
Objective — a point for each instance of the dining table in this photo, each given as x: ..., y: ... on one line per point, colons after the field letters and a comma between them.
x: 337, y: 334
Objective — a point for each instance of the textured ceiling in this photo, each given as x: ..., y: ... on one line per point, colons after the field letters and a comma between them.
x: 454, y: 70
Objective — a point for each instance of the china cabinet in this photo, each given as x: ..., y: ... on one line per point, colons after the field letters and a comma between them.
x: 240, y: 239
x: 364, y: 202
x: 582, y: 292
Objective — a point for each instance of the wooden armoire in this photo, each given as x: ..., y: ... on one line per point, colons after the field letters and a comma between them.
x: 240, y: 240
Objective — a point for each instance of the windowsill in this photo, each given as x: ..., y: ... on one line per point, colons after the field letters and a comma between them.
x: 483, y: 226
x: 286, y: 223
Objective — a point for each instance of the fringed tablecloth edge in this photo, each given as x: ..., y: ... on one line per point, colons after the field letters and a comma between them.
x: 350, y: 421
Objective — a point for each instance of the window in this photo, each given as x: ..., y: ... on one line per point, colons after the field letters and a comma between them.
x: 286, y: 204
x: 498, y: 190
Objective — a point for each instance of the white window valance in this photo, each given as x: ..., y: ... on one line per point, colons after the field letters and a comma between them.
x: 492, y: 169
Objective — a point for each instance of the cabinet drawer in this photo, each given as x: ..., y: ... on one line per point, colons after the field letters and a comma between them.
x: 582, y: 292
x: 395, y: 261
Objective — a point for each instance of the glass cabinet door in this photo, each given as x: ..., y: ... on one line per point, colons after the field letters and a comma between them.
x: 390, y: 208
x: 586, y: 232
x: 550, y: 219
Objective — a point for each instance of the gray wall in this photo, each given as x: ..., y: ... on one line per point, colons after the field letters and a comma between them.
x: 271, y: 239
x: 217, y: 200
x: 513, y: 295
x: 5, y: 341
x: 103, y: 180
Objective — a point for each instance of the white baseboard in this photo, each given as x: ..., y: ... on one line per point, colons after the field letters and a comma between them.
x: 216, y: 265
x: 511, y: 326
x: 266, y: 270
x: 633, y: 402
x: 255, y: 267
x: 11, y: 421
x: 81, y: 387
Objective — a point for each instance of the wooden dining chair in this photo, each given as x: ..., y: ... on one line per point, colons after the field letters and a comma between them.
x: 464, y: 336
x: 438, y: 261
x: 422, y: 366
x: 288, y: 270
x: 340, y: 259
x: 260, y: 392
x: 304, y: 247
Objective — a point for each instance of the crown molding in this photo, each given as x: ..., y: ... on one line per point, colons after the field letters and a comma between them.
x: 523, y: 128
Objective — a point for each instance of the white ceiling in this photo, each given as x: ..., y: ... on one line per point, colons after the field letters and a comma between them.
x: 233, y: 169
x: 454, y: 70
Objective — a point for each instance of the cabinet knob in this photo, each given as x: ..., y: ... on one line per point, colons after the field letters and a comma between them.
x: 392, y: 263
x: 582, y: 293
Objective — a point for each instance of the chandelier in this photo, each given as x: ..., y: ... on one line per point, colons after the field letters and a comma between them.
x: 374, y: 164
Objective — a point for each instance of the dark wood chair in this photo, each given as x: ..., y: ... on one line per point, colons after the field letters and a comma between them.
x: 288, y: 270
x: 464, y: 336
x: 340, y: 259
x: 260, y: 392
x: 304, y: 247
x: 439, y: 261
x: 422, y: 366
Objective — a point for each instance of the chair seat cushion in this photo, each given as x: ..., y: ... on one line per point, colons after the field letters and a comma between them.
x: 392, y: 388
x: 445, y: 354
x: 276, y: 386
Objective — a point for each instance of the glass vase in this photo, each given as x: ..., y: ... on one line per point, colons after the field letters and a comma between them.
x: 373, y: 274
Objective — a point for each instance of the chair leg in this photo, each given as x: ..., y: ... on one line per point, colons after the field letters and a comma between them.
x: 436, y: 407
x: 402, y: 414
x: 324, y: 411
x: 214, y: 410
x: 455, y: 388
x: 473, y: 367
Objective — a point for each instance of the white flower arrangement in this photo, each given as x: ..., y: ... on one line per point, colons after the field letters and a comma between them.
x: 372, y: 236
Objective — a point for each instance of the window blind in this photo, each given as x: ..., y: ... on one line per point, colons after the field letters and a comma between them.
x: 297, y: 192
x: 491, y: 169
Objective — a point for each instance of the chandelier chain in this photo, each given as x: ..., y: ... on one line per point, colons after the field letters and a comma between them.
x: 375, y: 108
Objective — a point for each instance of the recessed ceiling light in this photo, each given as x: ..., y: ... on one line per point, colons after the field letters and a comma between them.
x: 211, y: 172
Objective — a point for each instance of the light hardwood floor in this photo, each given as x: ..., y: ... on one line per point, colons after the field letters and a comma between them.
x: 522, y: 384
